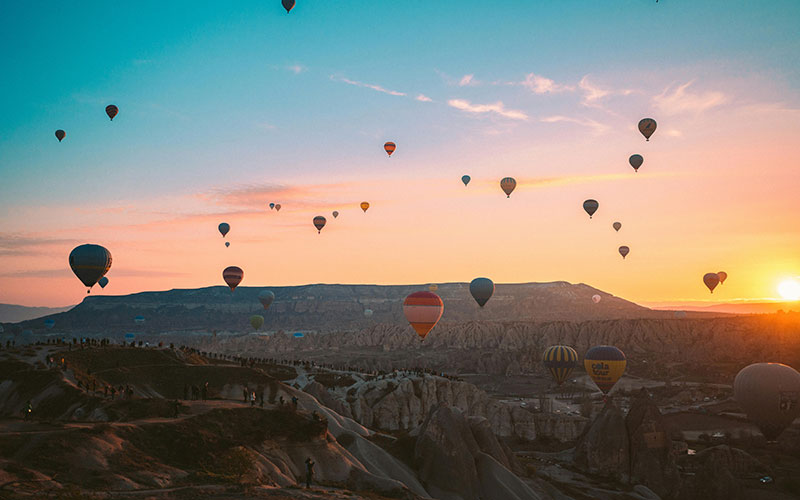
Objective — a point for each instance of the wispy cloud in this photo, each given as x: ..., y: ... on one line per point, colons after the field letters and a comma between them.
x: 296, y: 68
x: 468, y: 81
x: 681, y: 100
x: 541, y: 85
x: 14, y: 244
x: 423, y: 98
x: 496, y: 108
x: 376, y: 88
x: 594, y: 94
x: 598, y: 127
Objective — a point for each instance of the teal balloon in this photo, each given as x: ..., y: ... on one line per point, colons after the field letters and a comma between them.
x: 481, y: 290
x: 465, y: 179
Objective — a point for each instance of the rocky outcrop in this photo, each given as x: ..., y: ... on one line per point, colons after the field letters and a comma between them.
x: 458, y: 458
x: 652, y: 460
x: 402, y: 403
x: 717, y: 474
x: 604, y: 448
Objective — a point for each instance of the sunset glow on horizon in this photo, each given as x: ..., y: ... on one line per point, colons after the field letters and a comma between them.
x: 224, y: 109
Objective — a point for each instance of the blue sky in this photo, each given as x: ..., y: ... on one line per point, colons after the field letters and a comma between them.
x: 216, y: 98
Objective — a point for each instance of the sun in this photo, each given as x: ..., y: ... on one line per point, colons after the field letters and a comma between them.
x: 789, y: 289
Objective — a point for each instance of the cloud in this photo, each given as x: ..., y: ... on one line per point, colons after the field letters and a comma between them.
x: 497, y: 107
x: 585, y: 122
x: 467, y: 81
x: 296, y: 68
x: 592, y: 94
x: 376, y: 88
x: 682, y: 100
x: 423, y: 98
x: 541, y: 85
x: 29, y: 245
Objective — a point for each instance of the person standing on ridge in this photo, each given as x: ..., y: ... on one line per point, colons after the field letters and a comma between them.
x: 309, y: 471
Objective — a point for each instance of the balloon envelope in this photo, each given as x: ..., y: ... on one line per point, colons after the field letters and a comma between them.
x: 433, y: 287
x: 770, y: 395
x: 60, y: 134
x: 423, y: 310
x: 298, y: 335
x: 590, y: 206
x: 711, y: 280
x: 102, y: 282
x: 368, y: 313
x: 271, y: 206
x: 636, y: 161
x: 596, y: 298
x: 465, y: 179
x: 364, y: 206
x: 49, y: 323
x: 389, y: 147
x: 288, y: 5
x: 233, y: 276
x: 256, y: 321
x: 560, y: 360
x: 139, y: 319
x: 481, y: 290
x: 647, y: 126
x: 617, y: 226
x: 227, y: 244
x: 507, y: 184
x: 624, y: 251
x: 319, y: 223
x: 605, y: 364
x: 112, y: 111
x: 722, y: 275
x: 278, y: 207
x: 90, y: 263
x: 266, y: 297
x: 224, y: 228
x: 130, y: 336
x: 335, y: 214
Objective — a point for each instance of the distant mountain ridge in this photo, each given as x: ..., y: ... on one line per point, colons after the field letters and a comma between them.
x: 11, y: 313
x: 327, y: 308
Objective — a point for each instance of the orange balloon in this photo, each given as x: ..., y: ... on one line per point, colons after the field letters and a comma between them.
x: 389, y: 147
x: 364, y: 206
x: 423, y: 310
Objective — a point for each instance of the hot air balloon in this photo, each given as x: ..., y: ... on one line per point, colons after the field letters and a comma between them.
x: 139, y: 319
x: 49, y: 323
x: 769, y: 393
x: 367, y: 313
x: 298, y: 335
x: 288, y: 5
x: 389, y: 147
x: 596, y: 298
x: 605, y: 364
x: 624, y: 251
x: 433, y: 287
x: 102, y: 282
x: 271, y: 206
x: 465, y: 179
x: 227, y: 244
x: 591, y: 207
x: 60, y: 134
x: 722, y: 277
x: 560, y: 360
x: 278, y: 207
x: 636, y: 162
x: 335, y: 214
x: 481, y: 290
x: 266, y: 297
x: 423, y: 310
x: 507, y: 184
x: 256, y: 321
x: 647, y: 126
x: 90, y: 263
x: 233, y: 276
x: 112, y: 111
x: 711, y: 280
x: 319, y: 223
x: 364, y: 206
x: 129, y: 337
x: 224, y: 228
x: 617, y: 226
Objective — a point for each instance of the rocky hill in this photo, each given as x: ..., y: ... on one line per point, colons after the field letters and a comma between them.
x: 10, y: 313
x: 327, y: 308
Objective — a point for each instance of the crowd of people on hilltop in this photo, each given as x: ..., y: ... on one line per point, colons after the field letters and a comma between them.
x: 253, y: 362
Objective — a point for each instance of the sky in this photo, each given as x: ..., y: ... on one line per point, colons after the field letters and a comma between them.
x: 228, y: 106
